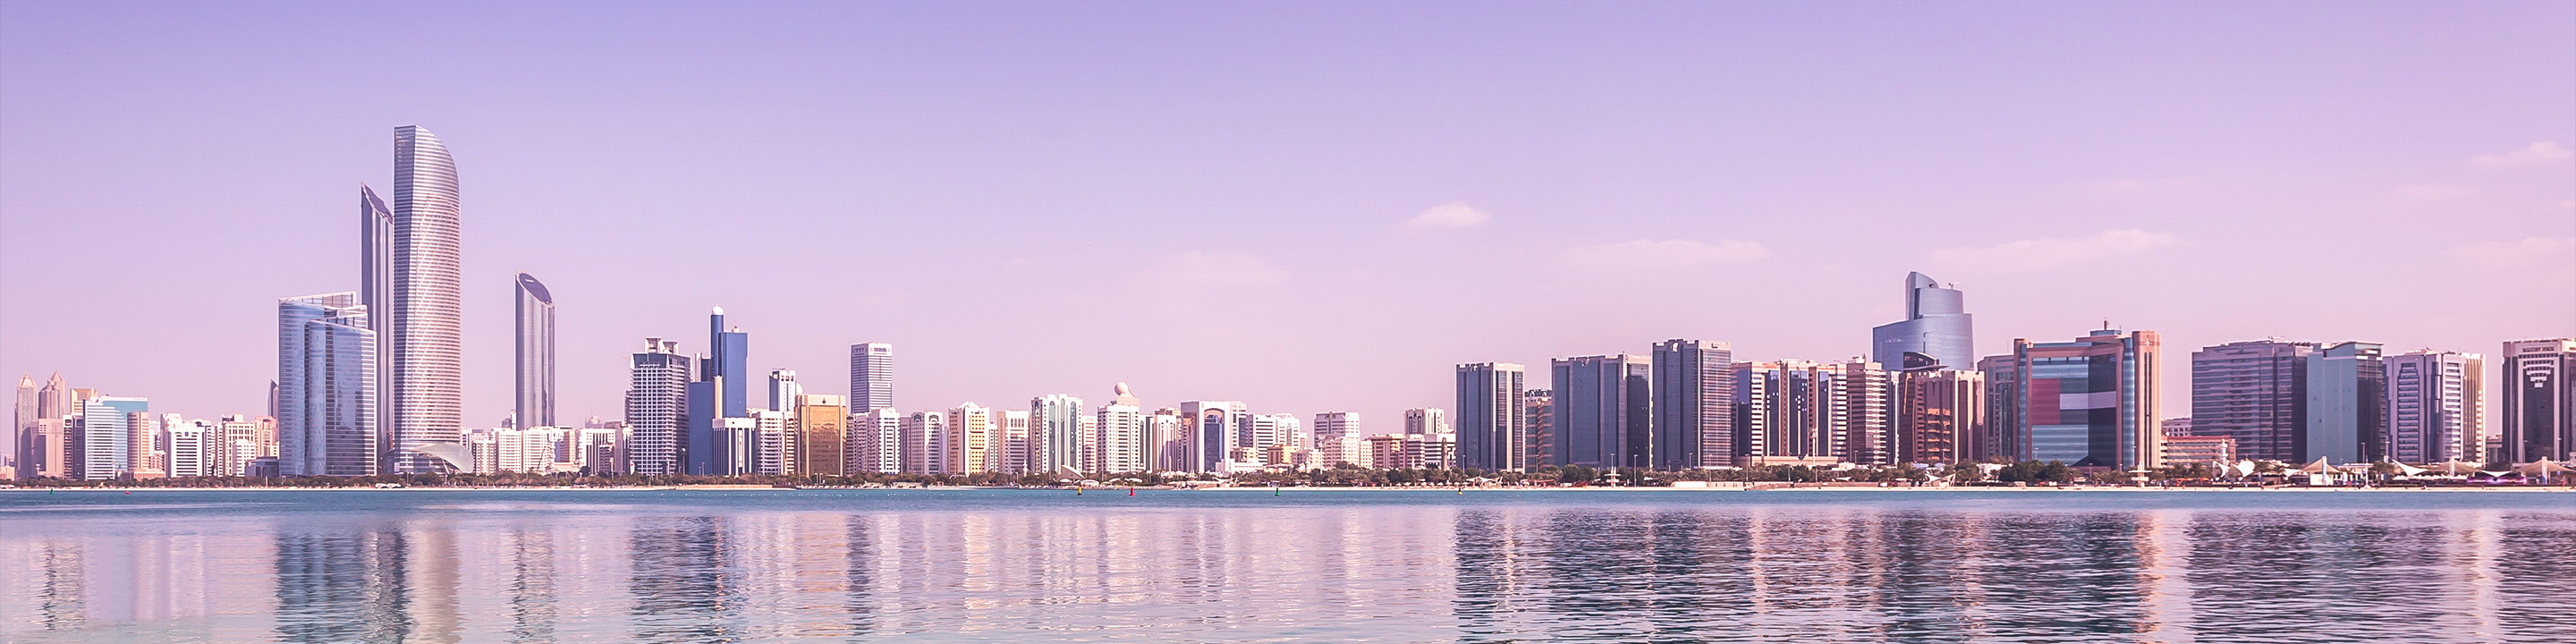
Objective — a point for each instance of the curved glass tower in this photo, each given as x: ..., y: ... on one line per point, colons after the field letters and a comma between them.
x: 536, y: 354
x: 1936, y: 330
x: 428, y: 285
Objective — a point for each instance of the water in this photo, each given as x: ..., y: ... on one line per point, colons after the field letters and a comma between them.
x: 1247, y: 566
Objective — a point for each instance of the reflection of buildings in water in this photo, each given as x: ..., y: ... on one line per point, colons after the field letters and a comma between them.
x: 61, y: 591
x: 681, y: 592
x: 862, y: 552
x: 2475, y: 548
x: 531, y: 588
x: 2164, y: 574
x: 342, y: 587
x: 433, y: 563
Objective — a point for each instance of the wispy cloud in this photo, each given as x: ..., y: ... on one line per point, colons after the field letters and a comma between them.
x: 2039, y: 254
x: 1222, y: 268
x: 1448, y: 216
x: 1648, y: 253
x: 2432, y: 192
x: 2537, y: 153
x: 2528, y: 251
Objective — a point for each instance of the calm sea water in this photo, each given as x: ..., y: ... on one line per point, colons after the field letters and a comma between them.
x: 1306, y: 566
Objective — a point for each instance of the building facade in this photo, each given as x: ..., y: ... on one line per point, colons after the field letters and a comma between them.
x: 2539, y: 400
x: 326, y: 372
x: 1941, y: 416
x: 2347, y: 403
x: 2255, y: 392
x: 1694, y: 388
x: 1604, y: 411
x: 821, y: 439
x: 2435, y: 407
x: 2091, y: 402
x: 1491, y: 417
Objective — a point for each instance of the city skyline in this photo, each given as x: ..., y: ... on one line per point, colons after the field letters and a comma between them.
x: 1364, y: 286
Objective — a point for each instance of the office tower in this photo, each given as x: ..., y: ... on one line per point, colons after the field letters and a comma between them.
x: 376, y: 292
x: 925, y: 443
x: 717, y: 395
x: 1694, y: 388
x: 657, y: 408
x: 2539, y: 392
x: 2004, y: 439
x: 1011, y: 426
x: 1211, y: 432
x: 1540, y: 417
x: 1940, y: 416
x: 1055, y: 425
x: 428, y: 316
x: 783, y: 389
x: 1936, y: 327
x: 1120, y: 441
x: 1167, y: 435
x: 2347, y: 403
x: 871, y: 377
x: 820, y: 440
x: 106, y: 435
x: 1426, y: 420
x: 1604, y: 411
x: 190, y: 448
x: 22, y: 417
x: 1493, y: 416
x: 536, y: 353
x: 2092, y: 402
x: 2434, y: 413
x: 2257, y: 393
x: 1869, y: 398
x: 1797, y: 411
x: 326, y: 370
x: 876, y: 442
x: 1336, y: 424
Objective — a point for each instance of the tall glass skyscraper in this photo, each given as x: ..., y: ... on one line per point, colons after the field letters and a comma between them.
x: 326, y: 376
x: 428, y: 316
x: 717, y: 396
x: 2347, y: 403
x: 536, y: 353
x: 2255, y: 392
x: 657, y: 408
x: 1694, y: 404
x: 2539, y: 392
x: 376, y: 292
x: 871, y: 377
x: 2434, y: 413
x: 2093, y: 401
x: 1937, y: 328
x: 1492, y: 417
x: 1604, y: 414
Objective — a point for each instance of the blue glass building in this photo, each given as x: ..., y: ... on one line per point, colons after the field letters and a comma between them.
x: 1937, y: 330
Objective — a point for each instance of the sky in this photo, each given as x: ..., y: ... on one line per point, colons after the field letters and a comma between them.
x: 1306, y: 206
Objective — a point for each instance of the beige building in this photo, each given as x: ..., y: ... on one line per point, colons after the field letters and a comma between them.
x: 821, y: 435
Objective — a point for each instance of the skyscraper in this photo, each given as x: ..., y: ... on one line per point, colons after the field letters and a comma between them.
x: 1604, y: 414
x: 783, y: 389
x: 2434, y: 410
x: 536, y: 353
x: 22, y: 417
x: 1936, y: 326
x: 326, y: 371
x: 2539, y: 392
x: 376, y: 292
x: 2092, y: 402
x: 2003, y: 408
x: 820, y: 438
x: 428, y: 316
x: 1055, y: 428
x: 871, y: 377
x: 970, y: 439
x: 1336, y: 424
x: 1940, y: 416
x: 2347, y: 403
x: 1694, y: 404
x: 107, y: 435
x: 1798, y: 410
x: 1492, y: 417
x: 2255, y: 392
x: 718, y: 395
x: 1119, y: 440
x: 1211, y: 432
x: 876, y: 442
x: 1540, y: 417
x: 657, y: 409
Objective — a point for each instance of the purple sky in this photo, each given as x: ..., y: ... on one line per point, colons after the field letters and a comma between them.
x: 1307, y: 206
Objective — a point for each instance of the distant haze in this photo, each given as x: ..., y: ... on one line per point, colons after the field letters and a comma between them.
x: 1306, y: 206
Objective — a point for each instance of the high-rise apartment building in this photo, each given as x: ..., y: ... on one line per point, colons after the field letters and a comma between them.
x: 535, y: 353
x: 326, y: 370
x: 2003, y: 407
x: 1694, y: 388
x: 1493, y: 417
x: 1119, y: 439
x: 2347, y: 403
x: 2255, y: 392
x: 820, y: 438
x: 107, y: 434
x: 1055, y: 424
x: 1941, y: 416
x: 876, y: 442
x: 1540, y: 417
x: 428, y: 316
x: 925, y: 443
x: 1798, y: 410
x: 1167, y: 440
x: 2539, y: 393
x: 871, y: 377
x: 2092, y: 402
x: 2435, y: 410
x: 1937, y: 328
x: 1011, y: 426
x: 1425, y: 421
x: 971, y: 439
x: 657, y: 409
x: 1604, y: 411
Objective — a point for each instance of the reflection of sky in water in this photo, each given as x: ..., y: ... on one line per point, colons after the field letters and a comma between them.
x: 1306, y: 566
